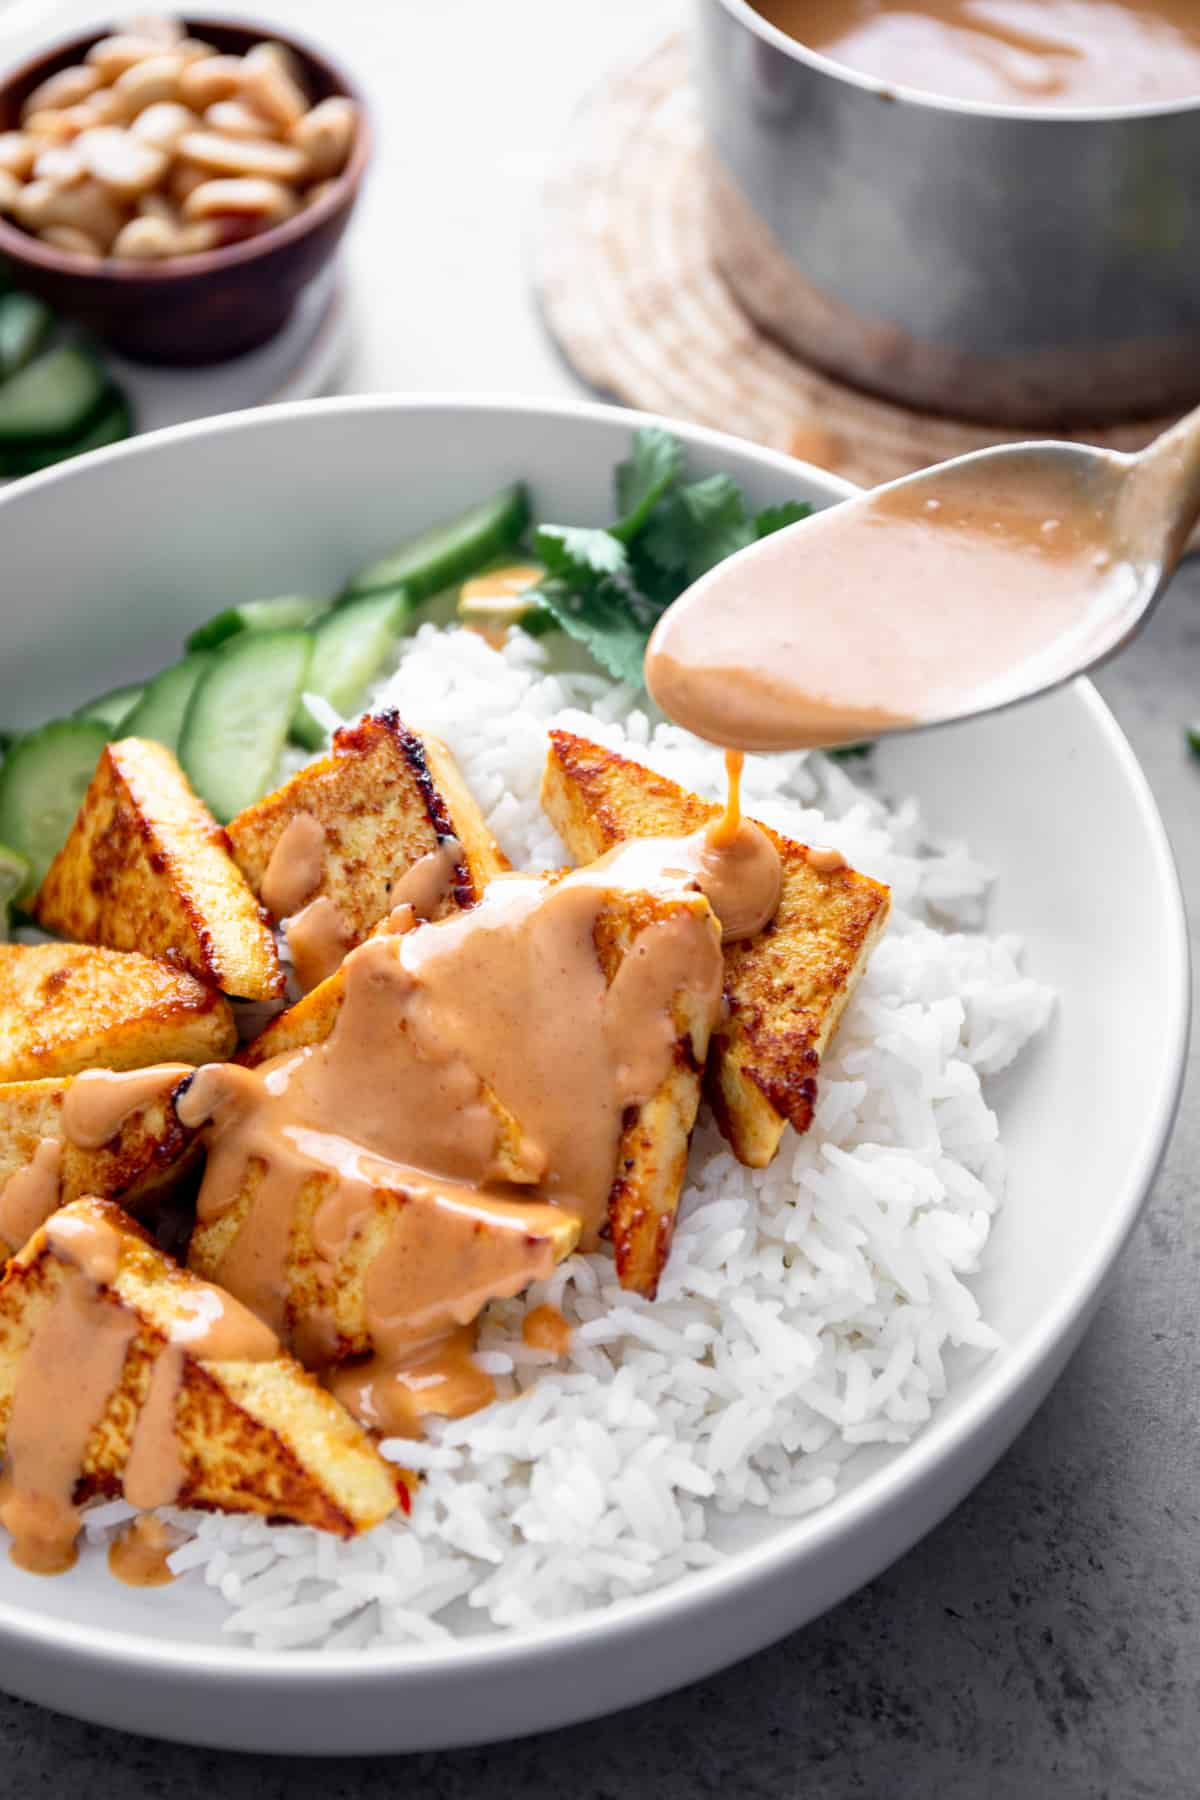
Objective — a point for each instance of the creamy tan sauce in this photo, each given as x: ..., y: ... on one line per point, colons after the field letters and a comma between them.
x: 1055, y: 53
x: 544, y: 1328
x: 294, y: 871
x: 317, y: 939
x: 430, y: 880
x: 138, y: 1554
x: 98, y: 1102
x: 395, y: 1396
x: 64, y: 1380
x: 825, y: 859
x: 482, y: 1068
x: 904, y: 606
x: 30, y: 1196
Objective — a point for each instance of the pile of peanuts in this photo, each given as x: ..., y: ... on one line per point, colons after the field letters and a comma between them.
x: 158, y: 145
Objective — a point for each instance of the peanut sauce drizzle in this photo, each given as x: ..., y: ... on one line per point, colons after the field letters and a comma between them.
x: 317, y: 940
x: 30, y: 1196
x: 544, y: 1328
x: 483, y: 1068
x: 318, y: 937
x: 293, y: 873
x: 99, y: 1102
x: 138, y: 1554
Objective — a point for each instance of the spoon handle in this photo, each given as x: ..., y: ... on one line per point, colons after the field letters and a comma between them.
x: 1163, y: 496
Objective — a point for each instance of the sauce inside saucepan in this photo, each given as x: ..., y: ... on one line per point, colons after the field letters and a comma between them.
x: 1009, y: 52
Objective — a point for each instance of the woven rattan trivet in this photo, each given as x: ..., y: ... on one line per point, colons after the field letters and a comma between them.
x: 630, y: 293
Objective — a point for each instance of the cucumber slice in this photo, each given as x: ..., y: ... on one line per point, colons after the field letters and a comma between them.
x: 43, y: 779
x: 24, y: 326
x: 237, y: 721
x: 113, y: 707
x: 114, y: 423
x: 53, y: 400
x: 14, y: 873
x: 448, y: 553
x: 283, y: 614
x: 162, y: 709
x: 350, y: 646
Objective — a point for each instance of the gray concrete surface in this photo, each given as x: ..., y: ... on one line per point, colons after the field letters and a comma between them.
x: 1042, y: 1642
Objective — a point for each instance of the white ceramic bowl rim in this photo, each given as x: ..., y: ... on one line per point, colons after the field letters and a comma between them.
x: 880, y: 1490
x: 911, y: 96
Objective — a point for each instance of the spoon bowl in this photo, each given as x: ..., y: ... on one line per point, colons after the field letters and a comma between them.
x: 971, y: 586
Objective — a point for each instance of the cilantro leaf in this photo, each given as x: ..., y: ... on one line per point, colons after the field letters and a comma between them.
x: 602, y: 620
x: 608, y: 588
x: 774, y: 518
x: 698, y: 526
x: 654, y: 467
x: 577, y: 552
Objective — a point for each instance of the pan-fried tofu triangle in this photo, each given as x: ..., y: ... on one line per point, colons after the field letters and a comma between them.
x: 348, y: 826
x: 146, y: 867
x: 122, y: 1373
x: 786, y: 986
x: 137, y: 1147
x: 66, y: 1007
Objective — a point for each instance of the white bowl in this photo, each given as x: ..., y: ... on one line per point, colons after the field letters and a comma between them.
x: 105, y: 562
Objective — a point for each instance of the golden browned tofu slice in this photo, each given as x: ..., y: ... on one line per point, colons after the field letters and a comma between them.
x: 485, y: 1247
x: 147, y: 1151
x: 66, y: 1007
x: 786, y: 988
x: 384, y: 797
x: 251, y: 1436
x: 652, y: 1156
x: 146, y: 867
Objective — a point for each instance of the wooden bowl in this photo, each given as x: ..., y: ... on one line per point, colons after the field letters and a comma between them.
x: 219, y: 303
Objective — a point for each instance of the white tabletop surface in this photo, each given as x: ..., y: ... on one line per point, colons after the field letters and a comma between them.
x: 470, y: 99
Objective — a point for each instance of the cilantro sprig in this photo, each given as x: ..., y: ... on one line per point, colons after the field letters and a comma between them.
x: 609, y: 587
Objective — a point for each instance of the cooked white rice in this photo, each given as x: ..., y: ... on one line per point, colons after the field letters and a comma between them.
x: 806, y: 1309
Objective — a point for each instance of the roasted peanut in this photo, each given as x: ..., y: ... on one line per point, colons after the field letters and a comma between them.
x: 69, y: 237
x: 233, y: 118
x: 325, y: 135
x: 113, y: 55
x: 184, y: 179
x: 84, y: 207
x: 243, y: 156
x: 200, y: 235
x: 60, y: 163
x: 145, y: 240
x: 155, y: 79
x: 194, y: 49
x: 156, y: 206
x: 163, y: 124
x: 213, y: 78
x: 67, y: 88
x: 249, y: 196
x: 54, y: 127
x: 270, y: 85
x: 120, y: 161
x: 18, y: 153
x: 10, y: 190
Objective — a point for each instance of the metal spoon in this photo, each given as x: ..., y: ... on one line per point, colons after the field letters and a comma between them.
x: 972, y: 585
